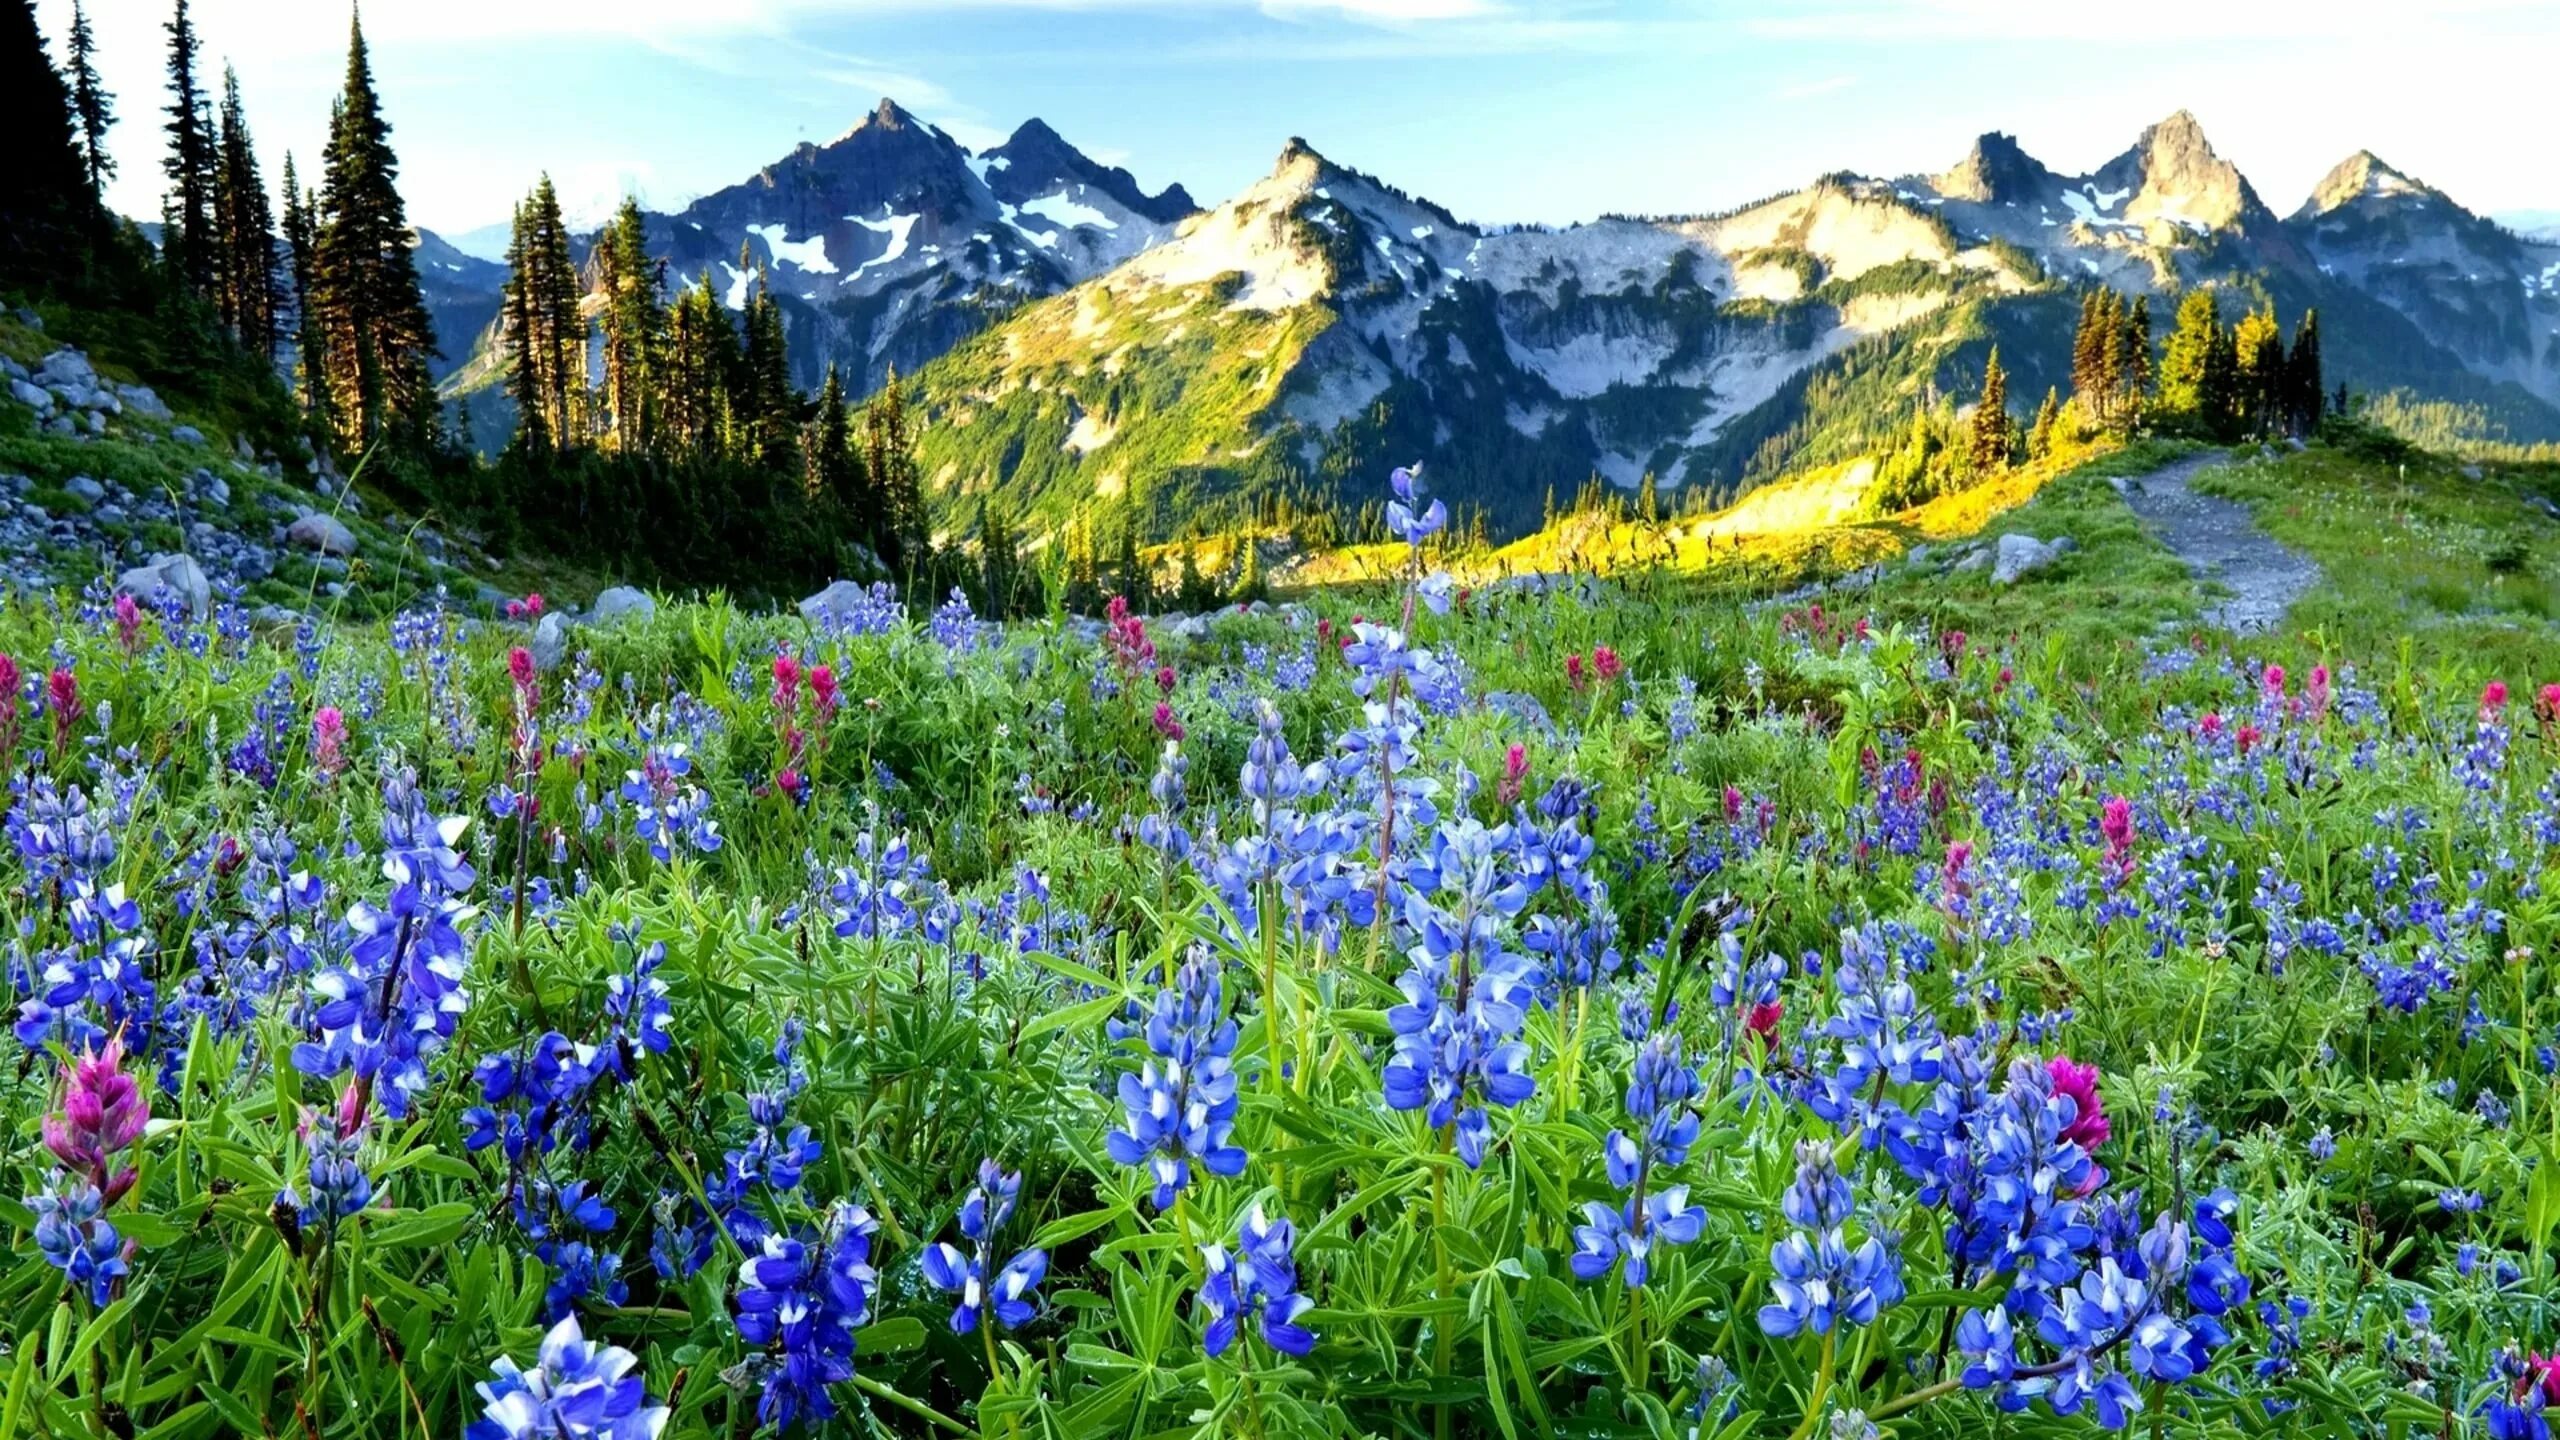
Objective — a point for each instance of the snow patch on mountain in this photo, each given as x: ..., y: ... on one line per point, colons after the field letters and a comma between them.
x: 897, y: 227
x: 1063, y: 209
x: 809, y: 254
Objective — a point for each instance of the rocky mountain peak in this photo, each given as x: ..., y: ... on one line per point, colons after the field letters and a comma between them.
x: 1996, y: 170
x: 2177, y: 179
x: 1036, y: 159
x: 2363, y: 175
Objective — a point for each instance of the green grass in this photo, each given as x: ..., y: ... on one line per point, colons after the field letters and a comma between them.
x: 2405, y: 551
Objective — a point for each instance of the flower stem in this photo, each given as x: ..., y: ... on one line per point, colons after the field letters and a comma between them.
x: 1442, y: 1341
x: 1822, y: 1386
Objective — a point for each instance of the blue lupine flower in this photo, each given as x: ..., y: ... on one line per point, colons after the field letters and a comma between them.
x: 1821, y: 1281
x: 800, y: 1300
x: 1402, y: 521
x: 391, y: 1005
x: 1181, y: 1105
x: 578, y: 1390
x: 875, y: 897
x: 78, y: 1240
x: 1259, y: 1279
x: 948, y: 1267
x: 1657, y: 1097
x: 668, y: 809
x: 1466, y: 995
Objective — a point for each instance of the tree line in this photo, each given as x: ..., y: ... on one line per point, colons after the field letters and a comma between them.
x: 687, y: 458
x: 661, y: 432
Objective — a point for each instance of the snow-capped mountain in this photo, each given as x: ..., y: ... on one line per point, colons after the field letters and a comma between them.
x: 2476, y: 288
x: 1080, y: 340
x: 1323, y: 317
x: 890, y: 243
x: 1323, y: 325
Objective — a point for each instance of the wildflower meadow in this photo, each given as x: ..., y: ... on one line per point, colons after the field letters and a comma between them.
x: 1596, y: 1010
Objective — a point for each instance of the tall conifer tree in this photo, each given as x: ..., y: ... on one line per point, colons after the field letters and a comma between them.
x: 1989, y: 450
x: 45, y: 209
x: 301, y: 241
x: 373, y: 327
x: 244, y: 219
x: 634, y: 320
x: 91, y: 103
x: 2305, y: 396
x: 189, y: 237
x: 546, y: 328
x: 2188, y: 393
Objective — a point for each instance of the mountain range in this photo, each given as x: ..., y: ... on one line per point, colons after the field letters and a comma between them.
x: 1074, y: 342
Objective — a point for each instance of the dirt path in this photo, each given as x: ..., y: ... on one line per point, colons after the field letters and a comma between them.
x: 2221, y: 542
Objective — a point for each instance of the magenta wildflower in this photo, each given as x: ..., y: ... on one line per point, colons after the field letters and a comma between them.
x: 103, y: 1111
x: 329, y: 740
x: 2089, y: 1128
x: 62, y: 697
x: 128, y: 624
x: 2115, y: 824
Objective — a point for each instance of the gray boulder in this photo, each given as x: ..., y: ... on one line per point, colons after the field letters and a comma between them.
x: 836, y: 604
x: 144, y: 401
x: 622, y: 600
x: 34, y: 397
x: 216, y: 490
x: 177, y: 573
x: 85, y: 488
x: 65, y: 370
x: 2021, y: 555
x: 322, y: 532
x: 550, y: 644
x: 186, y: 434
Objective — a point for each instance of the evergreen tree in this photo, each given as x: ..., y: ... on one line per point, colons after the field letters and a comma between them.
x: 546, y: 330
x: 1129, y: 572
x: 829, y: 466
x: 1250, y: 584
x: 2218, y: 391
x: 2303, y: 384
x: 701, y: 356
x: 999, y: 560
x: 45, y: 203
x: 372, y: 318
x: 767, y: 403
x: 2132, y: 374
x: 2187, y: 394
x: 245, y: 224
x: 2090, y: 345
x: 1648, y: 501
x: 2259, y: 379
x: 1988, y: 450
x: 517, y: 325
x: 91, y: 103
x: 190, y: 240
x: 301, y: 242
x: 634, y: 329
x: 2040, y: 434
x: 888, y: 460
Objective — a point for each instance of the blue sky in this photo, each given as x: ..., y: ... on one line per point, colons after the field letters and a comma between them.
x: 1552, y: 110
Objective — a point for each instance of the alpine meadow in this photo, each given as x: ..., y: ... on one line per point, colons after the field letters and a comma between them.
x: 939, y: 793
